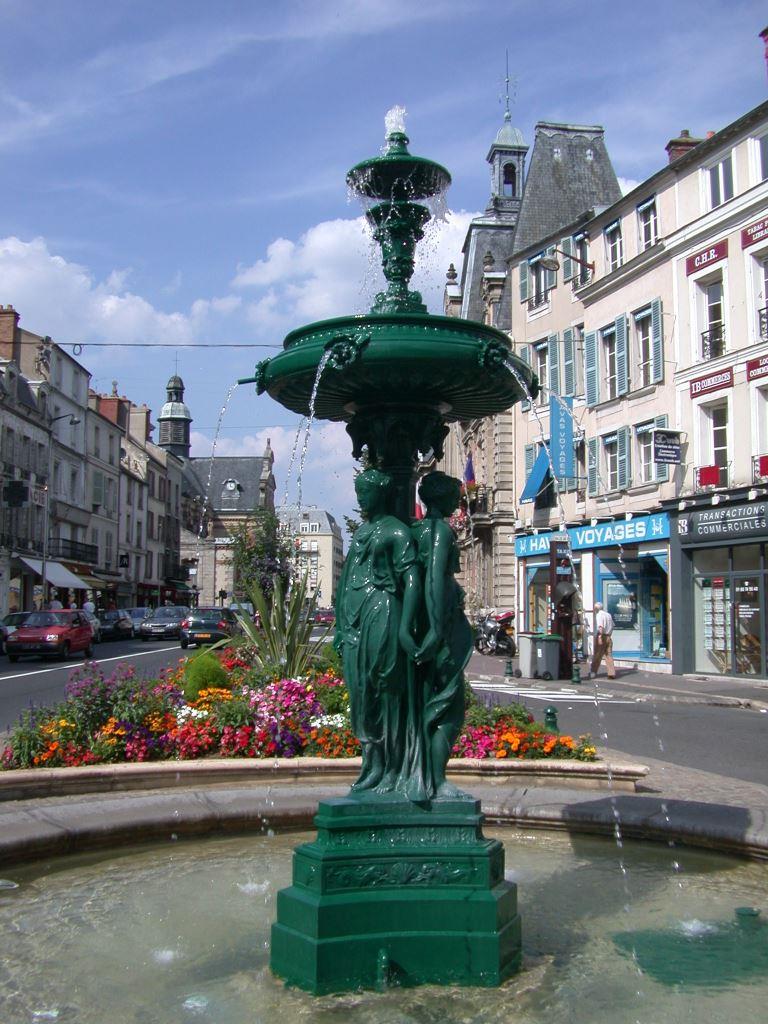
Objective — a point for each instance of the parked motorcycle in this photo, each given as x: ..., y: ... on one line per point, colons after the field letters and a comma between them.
x: 495, y: 634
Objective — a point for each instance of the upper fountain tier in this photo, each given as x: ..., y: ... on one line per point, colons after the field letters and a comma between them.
x: 397, y: 356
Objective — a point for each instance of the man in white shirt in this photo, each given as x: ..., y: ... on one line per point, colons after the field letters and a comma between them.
x: 603, y: 641
x: 89, y: 607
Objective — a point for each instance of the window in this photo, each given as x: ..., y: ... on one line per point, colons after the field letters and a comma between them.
x: 582, y: 273
x: 645, y: 467
x: 111, y: 447
x: 711, y: 306
x: 762, y: 296
x: 714, y: 438
x: 128, y: 533
x: 148, y: 570
x: 151, y: 481
x: 313, y: 545
x: 97, y: 442
x: 614, y: 248
x: 303, y: 527
x: 510, y: 180
x: 108, y: 546
x: 150, y: 525
x: 647, y: 224
x: 73, y: 486
x: 721, y: 182
x: 314, y: 527
x: 608, y: 339
x: 763, y: 157
x: 611, y: 458
x: 140, y: 496
x: 138, y: 534
x: 538, y: 284
x: 644, y: 348
x: 541, y: 366
x: 573, y: 360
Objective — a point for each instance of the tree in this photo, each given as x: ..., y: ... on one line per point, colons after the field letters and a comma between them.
x: 260, y: 554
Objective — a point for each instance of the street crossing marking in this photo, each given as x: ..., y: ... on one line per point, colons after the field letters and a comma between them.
x: 575, y: 696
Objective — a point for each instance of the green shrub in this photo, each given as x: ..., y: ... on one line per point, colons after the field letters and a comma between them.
x: 329, y: 660
x: 201, y: 672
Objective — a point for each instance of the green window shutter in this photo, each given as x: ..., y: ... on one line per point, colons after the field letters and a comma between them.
x: 566, y: 244
x: 530, y: 456
x: 622, y: 356
x: 591, y: 368
x: 98, y: 488
x: 592, y: 475
x: 623, y: 451
x: 569, y: 363
x: 551, y: 275
x: 525, y: 355
x: 553, y: 361
x: 524, y: 281
x: 661, y: 469
x: 657, y: 342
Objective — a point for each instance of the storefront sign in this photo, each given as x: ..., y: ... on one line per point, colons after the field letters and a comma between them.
x: 621, y: 531
x: 757, y: 368
x: 725, y: 523
x: 702, y: 259
x: 712, y: 382
x: 666, y: 447
x: 754, y: 233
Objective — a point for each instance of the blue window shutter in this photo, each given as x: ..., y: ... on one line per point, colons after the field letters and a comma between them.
x: 551, y: 275
x: 661, y: 469
x: 524, y: 281
x: 657, y: 342
x: 622, y: 356
x: 569, y: 364
x: 623, y: 451
x: 566, y: 245
x: 553, y: 360
x: 591, y: 368
x: 530, y: 456
x: 525, y: 355
x: 592, y: 475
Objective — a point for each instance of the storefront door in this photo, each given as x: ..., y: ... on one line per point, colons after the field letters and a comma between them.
x: 747, y: 625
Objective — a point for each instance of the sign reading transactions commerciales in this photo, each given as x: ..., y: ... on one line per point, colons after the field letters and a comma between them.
x: 757, y: 368
x: 714, y: 523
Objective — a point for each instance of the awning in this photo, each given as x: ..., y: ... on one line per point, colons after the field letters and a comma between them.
x: 536, y: 479
x: 55, y: 573
x: 93, y: 582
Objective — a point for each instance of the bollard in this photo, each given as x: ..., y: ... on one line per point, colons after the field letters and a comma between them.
x: 576, y: 674
x: 508, y: 669
x: 550, y: 719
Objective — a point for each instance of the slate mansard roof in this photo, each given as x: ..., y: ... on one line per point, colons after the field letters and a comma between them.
x: 570, y: 172
x: 291, y: 517
x: 235, y: 481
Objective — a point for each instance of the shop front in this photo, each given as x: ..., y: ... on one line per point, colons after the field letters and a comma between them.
x: 624, y: 563
x: 720, y: 572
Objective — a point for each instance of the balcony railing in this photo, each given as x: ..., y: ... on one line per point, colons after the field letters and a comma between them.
x: 713, y: 342
x: 708, y: 477
x: 759, y: 469
x: 61, y: 547
x: 537, y: 301
x: 581, y: 278
x: 763, y: 316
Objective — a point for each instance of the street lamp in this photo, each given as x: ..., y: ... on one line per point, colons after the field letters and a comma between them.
x: 73, y: 421
x: 550, y: 263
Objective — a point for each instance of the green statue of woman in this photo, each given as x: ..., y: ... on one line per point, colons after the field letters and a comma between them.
x: 376, y: 607
x: 447, y: 645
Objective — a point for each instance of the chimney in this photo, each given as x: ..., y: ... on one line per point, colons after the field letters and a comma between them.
x: 764, y: 37
x: 681, y: 145
x: 10, y: 336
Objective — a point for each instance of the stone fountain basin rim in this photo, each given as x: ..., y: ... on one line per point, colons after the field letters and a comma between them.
x: 111, y: 816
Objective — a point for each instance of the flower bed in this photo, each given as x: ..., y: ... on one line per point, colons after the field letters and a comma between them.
x: 121, y: 718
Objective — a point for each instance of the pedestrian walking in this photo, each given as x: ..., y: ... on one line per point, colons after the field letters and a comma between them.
x: 603, y: 641
x: 89, y: 607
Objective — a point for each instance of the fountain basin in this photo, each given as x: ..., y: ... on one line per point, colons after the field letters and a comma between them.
x: 444, y: 364
x: 179, y: 932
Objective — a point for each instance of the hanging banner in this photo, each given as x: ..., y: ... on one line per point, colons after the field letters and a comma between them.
x: 561, y: 436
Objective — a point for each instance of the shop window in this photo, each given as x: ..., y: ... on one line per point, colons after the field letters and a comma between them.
x: 614, y: 246
x: 711, y: 321
x: 720, y: 184
x: 647, y: 224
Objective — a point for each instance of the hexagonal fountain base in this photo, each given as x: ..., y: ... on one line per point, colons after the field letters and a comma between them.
x: 397, y: 893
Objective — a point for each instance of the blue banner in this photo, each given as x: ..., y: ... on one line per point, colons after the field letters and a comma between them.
x: 561, y: 436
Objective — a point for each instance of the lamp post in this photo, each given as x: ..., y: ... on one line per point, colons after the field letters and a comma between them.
x: 550, y: 263
x: 73, y: 421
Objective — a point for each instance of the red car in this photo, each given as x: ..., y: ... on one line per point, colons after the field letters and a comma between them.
x: 325, y: 616
x: 54, y: 633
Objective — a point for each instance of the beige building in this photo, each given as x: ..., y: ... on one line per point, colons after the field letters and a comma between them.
x: 318, y: 549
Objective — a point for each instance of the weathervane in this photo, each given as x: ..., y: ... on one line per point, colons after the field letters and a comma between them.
x: 507, y: 113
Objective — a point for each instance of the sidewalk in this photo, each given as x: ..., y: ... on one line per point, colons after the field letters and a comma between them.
x: 728, y: 691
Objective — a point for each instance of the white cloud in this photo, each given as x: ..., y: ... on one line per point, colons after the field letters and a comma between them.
x: 627, y: 185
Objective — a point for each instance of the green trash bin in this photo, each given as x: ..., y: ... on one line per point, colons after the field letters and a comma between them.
x: 526, y: 649
x: 547, y: 656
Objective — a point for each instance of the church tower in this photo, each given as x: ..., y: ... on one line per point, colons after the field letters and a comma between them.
x: 507, y: 159
x: 174, y: 419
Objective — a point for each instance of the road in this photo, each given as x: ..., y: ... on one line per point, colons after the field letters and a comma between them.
x: 727, y: 740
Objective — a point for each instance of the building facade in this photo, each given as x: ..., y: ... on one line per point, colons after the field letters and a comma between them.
x: 316, y: 541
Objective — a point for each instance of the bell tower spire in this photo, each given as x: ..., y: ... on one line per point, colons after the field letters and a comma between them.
x: 175, y: 419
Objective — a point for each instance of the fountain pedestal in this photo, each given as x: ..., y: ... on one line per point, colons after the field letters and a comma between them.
x: 397, y: 893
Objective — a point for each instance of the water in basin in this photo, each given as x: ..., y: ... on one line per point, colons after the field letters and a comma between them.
x: 179, y: 933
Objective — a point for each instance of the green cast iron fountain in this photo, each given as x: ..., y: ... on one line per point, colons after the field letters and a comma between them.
x: 400, y: 886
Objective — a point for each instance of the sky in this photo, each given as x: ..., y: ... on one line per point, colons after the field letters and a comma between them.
x: 173, y: 173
